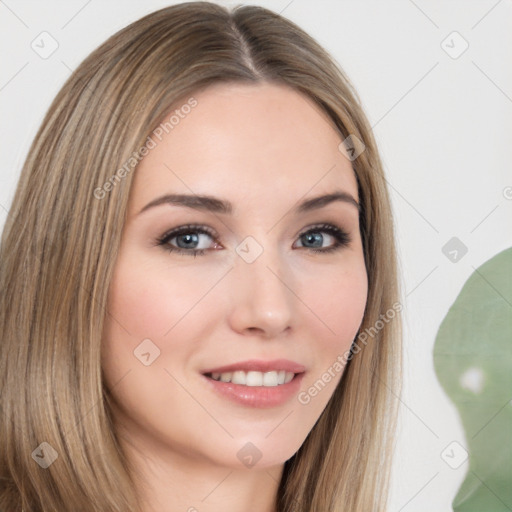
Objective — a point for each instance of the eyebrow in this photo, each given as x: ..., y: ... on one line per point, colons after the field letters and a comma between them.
x: 216, y: 205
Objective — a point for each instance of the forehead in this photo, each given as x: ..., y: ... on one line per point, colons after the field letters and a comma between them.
x: 246, y: 143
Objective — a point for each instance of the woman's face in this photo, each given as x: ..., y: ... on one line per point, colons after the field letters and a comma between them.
x: 274, y: 281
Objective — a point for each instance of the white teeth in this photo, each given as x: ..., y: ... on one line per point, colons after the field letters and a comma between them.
x: 252, y: 379
x: 237, y: 378
x: 225, y: 377
x: 270, y: 379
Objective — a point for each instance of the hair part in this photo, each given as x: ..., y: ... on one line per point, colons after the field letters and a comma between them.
x: 60, y: 244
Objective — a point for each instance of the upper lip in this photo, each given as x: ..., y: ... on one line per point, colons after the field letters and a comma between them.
x: 256, y: 365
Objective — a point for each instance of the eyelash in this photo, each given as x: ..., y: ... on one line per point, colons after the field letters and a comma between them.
x: 341, y: 237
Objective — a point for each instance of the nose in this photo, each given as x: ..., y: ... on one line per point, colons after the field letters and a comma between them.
x: 262, y: 300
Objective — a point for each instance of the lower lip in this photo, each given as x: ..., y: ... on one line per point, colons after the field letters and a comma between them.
x: 257, y: 396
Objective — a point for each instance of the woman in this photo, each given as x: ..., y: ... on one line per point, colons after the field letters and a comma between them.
x: 258, y: 375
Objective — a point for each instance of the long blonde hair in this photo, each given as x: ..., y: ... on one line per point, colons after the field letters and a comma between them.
x: 61, y: 240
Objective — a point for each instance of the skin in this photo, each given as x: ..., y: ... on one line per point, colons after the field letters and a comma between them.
x: 264, y: 148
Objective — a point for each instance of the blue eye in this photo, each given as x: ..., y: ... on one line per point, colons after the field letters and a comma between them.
x: 314, y: 236
x: 189, y: 239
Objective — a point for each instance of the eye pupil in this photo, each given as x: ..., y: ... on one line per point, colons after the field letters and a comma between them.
x: 314, y: 237
x: 190, y: 240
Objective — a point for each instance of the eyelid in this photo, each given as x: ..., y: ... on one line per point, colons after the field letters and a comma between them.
x: 186, y: 228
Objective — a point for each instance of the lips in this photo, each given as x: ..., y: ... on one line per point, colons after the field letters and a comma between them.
x: 256, y: 383
x: 258, y: 366
x: 256, y: 396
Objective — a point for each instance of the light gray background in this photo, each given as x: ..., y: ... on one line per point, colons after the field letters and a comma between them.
x: 443, y: 125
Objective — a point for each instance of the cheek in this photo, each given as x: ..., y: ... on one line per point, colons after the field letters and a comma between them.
x: 337, y: 298
x: 337, y: 304
x: 152, y: 306
x: 143, y: 305
x: 151, y: 300
x: 168, y: 305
